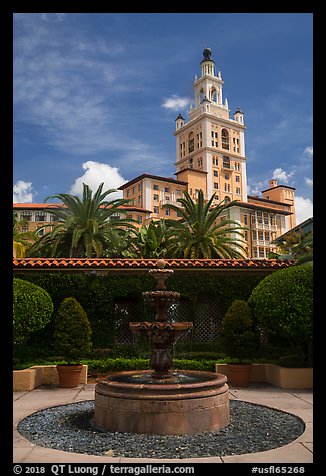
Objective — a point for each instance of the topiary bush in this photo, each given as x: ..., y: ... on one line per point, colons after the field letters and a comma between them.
x: 283, y: 303
x: 72, y: 333
x: 239, y: 338
x: 32, y: 309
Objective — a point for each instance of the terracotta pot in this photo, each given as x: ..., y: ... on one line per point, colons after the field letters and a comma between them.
x: 239, y: 374
x: 69, y: 375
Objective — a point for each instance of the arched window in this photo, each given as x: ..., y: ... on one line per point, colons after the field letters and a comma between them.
x: 201, y: 95
x: 213, y: 95
x: 225, y: 139
x: 191, y: 143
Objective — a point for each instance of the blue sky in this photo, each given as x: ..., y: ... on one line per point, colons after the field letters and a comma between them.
x: 96, y: 96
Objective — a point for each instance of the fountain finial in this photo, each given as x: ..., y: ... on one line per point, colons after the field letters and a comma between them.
x: 161, y: 263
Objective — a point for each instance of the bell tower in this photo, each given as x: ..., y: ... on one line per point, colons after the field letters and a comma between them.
x: 210, y: 147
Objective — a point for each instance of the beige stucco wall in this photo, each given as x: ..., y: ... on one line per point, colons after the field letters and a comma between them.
x: 28, y: 379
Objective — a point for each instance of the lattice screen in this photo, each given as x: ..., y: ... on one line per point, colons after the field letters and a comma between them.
x: 207, y: 320
x: 125, y: 311
x: 206, y: 323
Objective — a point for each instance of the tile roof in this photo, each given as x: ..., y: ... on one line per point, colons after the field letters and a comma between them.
x: 107, y: 264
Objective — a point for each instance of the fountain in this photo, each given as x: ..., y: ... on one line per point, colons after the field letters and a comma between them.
x: 162, y: 400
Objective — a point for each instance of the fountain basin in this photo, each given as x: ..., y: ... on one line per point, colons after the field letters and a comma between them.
x: 188, y: 402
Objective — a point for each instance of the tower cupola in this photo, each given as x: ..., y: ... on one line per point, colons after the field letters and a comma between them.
x: 238, y: 116
x: 207, y: 64
x: 179, y: 122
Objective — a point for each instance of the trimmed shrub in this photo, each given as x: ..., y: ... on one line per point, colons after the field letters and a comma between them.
x: 32, y: 309
x: 72, y: 333
x: 283, y: 303
x: 239, y: 339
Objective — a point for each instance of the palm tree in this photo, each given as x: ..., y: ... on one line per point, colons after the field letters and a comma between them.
x: 22, y: 240
x: 295, y: 246
x: 152, y: 241
x: 84, y: 225
x: 197, y: 235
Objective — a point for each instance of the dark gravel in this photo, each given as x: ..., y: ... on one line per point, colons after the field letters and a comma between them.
x: 252, y: 428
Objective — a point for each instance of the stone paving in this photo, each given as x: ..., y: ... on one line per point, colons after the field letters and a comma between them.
x: 296, y: 401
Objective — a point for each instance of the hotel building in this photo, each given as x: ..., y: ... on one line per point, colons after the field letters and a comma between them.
x: 210, y: 156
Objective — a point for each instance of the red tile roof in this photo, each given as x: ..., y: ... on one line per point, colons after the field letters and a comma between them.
x: 107, y: 264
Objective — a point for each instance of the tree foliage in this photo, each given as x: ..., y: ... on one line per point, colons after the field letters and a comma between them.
x: 283, y: 304
x: 202, y: 232
x: 84, y: 226
x: 72, y: 333
x: 32, y: 309
x: 239, y: 338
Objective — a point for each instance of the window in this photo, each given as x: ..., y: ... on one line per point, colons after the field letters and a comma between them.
x: 225, y: 139
x: 237, y: 178
x: 245, y: 219
x: 26, y: 216
x: 139, y: 219
x: 139, y: 187
x: 237, y: 190
x: 155, y: 209
x: 128, y: 192
x: 167, y: 198
x: 167, y: 212
x: 53, y: 217
x: 133, y: 190
x: 261, y: 253
x: 226, y: 162
x: 139, y: 199
x: 40, y: 217
x: 24, y: 229
x: 227, y: 176
x: 166, y: 189
x: 215, y: 185
x: 215, y: 160
x: 215, y: 173
x: 178, y: 192
x: 155, y: 186
x: 191, y: 142
x: 41, y: 232
x: 155, y: 197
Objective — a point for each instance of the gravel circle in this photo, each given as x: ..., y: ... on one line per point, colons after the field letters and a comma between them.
x: 252, y: 428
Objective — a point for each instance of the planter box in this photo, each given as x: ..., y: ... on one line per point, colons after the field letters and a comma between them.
x: 283, y: 377
x: 28, y: 379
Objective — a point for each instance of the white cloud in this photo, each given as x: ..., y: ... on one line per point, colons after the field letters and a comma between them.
x: 309, y: 151
x: 309, y: 181
x: 175, y: 103
x: 282, y: 175
x: 95, y: 174
x: 303, y: 209
x: 22, y: 192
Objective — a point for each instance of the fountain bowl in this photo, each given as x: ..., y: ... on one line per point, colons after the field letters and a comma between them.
x: 187, y: 402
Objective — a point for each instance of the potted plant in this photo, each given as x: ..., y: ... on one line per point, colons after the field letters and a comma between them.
x: 72, y: 337
x: 240, y: 341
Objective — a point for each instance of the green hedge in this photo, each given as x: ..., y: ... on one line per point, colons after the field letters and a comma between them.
x: 283, y: 305
x: 97, y: 295
x: 32, y: 309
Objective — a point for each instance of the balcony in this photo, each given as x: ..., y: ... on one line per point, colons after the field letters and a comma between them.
x: 260, y: 225
x: 172, y: 201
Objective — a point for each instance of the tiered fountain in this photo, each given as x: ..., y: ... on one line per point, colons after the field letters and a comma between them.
x: 162, y: 401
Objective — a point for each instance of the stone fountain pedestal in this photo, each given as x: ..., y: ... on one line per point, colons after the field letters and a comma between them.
x: 162, y: 408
